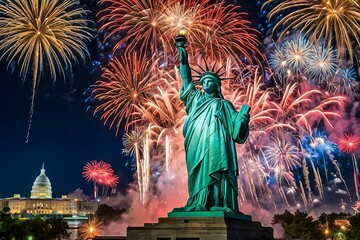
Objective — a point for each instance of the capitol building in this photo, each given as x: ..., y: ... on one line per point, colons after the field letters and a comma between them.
x: 41, y: 201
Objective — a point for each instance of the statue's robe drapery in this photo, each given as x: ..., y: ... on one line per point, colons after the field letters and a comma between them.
x: 211, y: 130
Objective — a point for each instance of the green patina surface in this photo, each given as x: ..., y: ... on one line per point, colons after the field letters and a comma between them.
x: 212, y: 128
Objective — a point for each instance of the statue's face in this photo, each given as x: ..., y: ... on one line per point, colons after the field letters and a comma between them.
x: 209, y: 85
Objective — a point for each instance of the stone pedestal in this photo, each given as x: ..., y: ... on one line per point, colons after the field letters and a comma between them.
x: 202, y: 226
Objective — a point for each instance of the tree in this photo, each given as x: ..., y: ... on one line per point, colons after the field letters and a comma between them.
x: 6, y: 209
x: 51, y: 229
x: 5, y: 214
x: 299, y: 225
x: 58, y: 228
x: 107, y: 214
x: 354, y: 229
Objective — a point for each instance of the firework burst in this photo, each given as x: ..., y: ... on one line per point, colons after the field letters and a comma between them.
x: 226, y: 34
x: 38, y: 32
x: 297, y: 53
x: 183, y: 15
x: 127, y: 82
x: 279, y: 62
x: 141, y: 20
x: 98, y: 172
x: 90, y: 229
x: 349, y: 143
x: 281, y: 153
x: 322, y: 62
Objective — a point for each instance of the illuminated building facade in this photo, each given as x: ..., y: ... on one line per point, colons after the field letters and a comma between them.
x: 42, y: 203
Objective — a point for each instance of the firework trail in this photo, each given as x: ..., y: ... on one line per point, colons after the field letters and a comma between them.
x: 318, y: 146
x: 146, y: 167
x: 38, y: 32
x: 282, y: 156
x: 132, y: 142
x: 350, y: 143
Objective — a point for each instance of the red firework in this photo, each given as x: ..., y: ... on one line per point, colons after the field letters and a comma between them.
x: 91, y: 170
x: 111, y: 181
x: 218, y: 30
x: 97, y: 171
x: 349, y: 143
x: 225, y: 33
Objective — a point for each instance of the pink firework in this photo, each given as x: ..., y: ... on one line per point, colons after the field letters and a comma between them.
x: 349, y: 143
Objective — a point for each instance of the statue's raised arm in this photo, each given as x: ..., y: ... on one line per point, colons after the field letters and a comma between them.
x: 184, y: 67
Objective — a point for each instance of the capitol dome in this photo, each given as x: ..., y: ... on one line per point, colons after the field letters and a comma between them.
x: 42, y: 186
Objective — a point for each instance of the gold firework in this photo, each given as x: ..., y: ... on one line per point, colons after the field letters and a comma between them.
x: 335, y: 20
x: 37, y: 32
x: 90, y: 229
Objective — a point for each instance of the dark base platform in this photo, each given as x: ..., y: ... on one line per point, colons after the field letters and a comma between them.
x: 202, y: 226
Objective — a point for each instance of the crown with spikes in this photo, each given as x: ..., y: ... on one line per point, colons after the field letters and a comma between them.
x: 211, y: 73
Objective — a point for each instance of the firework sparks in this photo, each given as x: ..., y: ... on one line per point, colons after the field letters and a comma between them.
x: 132, y: 145
x: 90, y: 229
x: 280, y: 152
x: 38, y: 32
x: 226, y: 34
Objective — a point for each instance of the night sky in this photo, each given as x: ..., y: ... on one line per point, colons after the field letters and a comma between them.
x: 63, y: 136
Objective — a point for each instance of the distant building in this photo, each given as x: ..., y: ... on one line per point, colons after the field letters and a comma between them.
x: 42, y: 203
x: 342, y: 222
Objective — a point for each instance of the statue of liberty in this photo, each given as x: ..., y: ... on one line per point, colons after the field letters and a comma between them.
x: 211, y: 129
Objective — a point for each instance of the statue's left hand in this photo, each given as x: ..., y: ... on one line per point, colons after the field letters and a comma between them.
x: 245, y: 119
